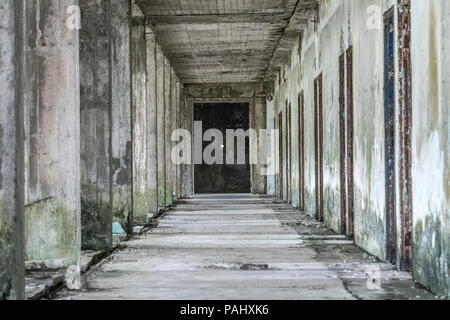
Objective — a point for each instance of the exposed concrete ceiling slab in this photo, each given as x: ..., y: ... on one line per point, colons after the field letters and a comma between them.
x: 216, y: 41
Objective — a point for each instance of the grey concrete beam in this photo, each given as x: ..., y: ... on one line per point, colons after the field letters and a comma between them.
x: 303, y: 13
x: 152, y: 124
x: 95, y: 83
x: 142, y: 195
x: 173, y: 127
x: 168, y: 130
x: 121, y: 140
x: 161, y: 129
x: 11, y: 152
x: 52, y: 128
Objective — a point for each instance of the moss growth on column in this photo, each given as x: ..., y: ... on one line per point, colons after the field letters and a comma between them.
x: 51, y: 231
x: 161, y: 193
x: 123, y: 206
x: 169, y: 194
x: 142, y: 206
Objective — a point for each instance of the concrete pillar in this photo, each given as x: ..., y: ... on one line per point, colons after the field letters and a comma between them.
x: 271, y: 149
x: 152, y: 124
x: 168, y: 131
x: 173, y: 126
x: 52, y: 134
x: 187, y: 114
x: 259, y: 145
x: 11, y: 152
x: 95, y: 74
x: 161, y: 128
x: 179, y: 168
x: 141, y: 192
x: 121, y: 142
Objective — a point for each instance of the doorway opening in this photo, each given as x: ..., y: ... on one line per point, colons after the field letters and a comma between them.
x: 318, y: 146
x: 223, y: 177
x: 346, y: 141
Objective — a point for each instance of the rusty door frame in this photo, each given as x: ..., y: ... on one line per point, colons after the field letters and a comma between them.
x: 318, y: 146
x: 405, y: 126
x: 280, y: 154
x: 349, y: 140
x: 289, y: 151
x: 389, y: 120
x: 346, y: 141
x: 343, y: 144
x: 301, y: 153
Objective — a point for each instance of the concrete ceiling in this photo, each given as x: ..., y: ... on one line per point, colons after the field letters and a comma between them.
x: 217, y: 41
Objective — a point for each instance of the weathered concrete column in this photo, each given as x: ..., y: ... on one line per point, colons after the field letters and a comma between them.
x: 11, y: 152
x: 141, y: 192
x: 52, y: 129
x: 161, y: 134
x: 259, y: 122
x: 121, y: 142
x: 95, y: 73
x: 179, y: 168
x: 152, y: 124
x: 168, y: 131
x: 173, y: 126
x: 187, y: 116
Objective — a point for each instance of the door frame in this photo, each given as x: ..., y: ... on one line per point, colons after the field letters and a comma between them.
x: 289, y: 151
x: 280, y: 155
x: 318, y: 145
x: 190, y: 102
x: 350, y: 154
x: 301, y: 153
x: 390, y: 130
x: 405, y: 126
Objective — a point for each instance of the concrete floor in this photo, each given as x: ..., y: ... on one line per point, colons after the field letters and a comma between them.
x: 241, y: 247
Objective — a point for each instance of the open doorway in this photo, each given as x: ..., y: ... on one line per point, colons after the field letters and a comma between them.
x: 223, y: 177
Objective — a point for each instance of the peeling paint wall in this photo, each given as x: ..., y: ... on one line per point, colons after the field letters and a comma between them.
x: 354, y: 23
x: 430, y: 143
x: 52, y: 134
x: 342, y: 24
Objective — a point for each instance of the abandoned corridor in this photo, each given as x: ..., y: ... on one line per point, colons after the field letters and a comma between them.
x: 240, y: 247
x: 346, y: 107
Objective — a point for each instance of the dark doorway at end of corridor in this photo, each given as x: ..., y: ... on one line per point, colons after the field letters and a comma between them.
x: 223, y: 178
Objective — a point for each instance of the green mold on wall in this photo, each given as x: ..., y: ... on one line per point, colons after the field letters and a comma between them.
x: 144, y: 203
x: 432, y: 256
x: 96, y: 221
x: 169, y: 194
x: 161, y: 193
x: 51, y: 232
x: 95, y: 225
x: 6, y: 252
